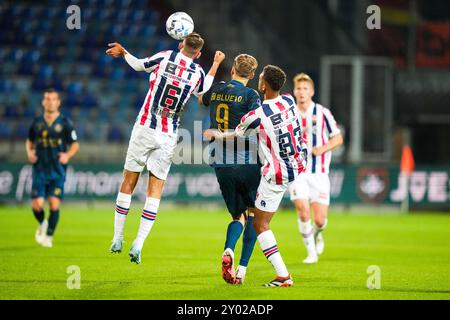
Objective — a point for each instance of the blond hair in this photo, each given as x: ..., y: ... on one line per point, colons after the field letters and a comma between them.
x: 193, y: 43
x: 303, y: 77
x: 245, y: 65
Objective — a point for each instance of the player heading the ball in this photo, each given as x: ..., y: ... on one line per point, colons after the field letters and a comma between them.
x: 174, y: 77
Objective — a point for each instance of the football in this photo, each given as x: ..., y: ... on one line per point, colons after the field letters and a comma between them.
x: 179, y: 25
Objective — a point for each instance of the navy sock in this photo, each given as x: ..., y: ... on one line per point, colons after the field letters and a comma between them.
x: 248, y: 242
x: 233, y: 233
x: 39, y: 215
x: 52, y: 222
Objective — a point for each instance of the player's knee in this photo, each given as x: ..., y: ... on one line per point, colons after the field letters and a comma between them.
x: 319, y: 222
x: 36, y: 206
x: 126, y: 187
x: 241, y: 218
x: 260, y: 226
x: 302, y: 209
x: 54, y: 207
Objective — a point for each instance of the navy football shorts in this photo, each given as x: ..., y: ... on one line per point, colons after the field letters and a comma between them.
x: 43, y: 187
x: 239, y: 185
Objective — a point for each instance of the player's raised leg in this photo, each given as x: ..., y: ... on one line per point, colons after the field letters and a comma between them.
x: 37, y: 205
x: 248, y: 243
x: 154, y: 192
x: 123, y: 203
x: 268, y: 244
x: 306, y: 229
x: 320, y: 223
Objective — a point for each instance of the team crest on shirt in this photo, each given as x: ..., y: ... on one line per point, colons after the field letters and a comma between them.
x: 58, y: 128
x: 314, y: 124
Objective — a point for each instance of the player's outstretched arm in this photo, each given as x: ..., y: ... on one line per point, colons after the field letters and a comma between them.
x: 218, y: 59
x: 116, y: 50
x: 211, y: 134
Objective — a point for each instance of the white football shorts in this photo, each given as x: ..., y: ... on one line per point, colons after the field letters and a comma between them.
x: 269, y: 195
x: 151, y: 148
x: 314, y: 187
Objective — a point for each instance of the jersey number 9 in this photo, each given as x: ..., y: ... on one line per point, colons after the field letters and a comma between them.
x: 222, y: 116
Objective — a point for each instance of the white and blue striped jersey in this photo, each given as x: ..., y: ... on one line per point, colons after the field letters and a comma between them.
x: 318, y: 126
x: 174, y: 77
x: 282, y: 151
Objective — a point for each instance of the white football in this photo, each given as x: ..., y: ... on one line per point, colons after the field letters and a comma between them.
x: 179, y: 25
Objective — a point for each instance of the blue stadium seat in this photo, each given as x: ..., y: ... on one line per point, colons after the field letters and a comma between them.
x: 38, y: 53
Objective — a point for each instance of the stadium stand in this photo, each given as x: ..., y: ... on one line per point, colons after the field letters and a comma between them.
x: 102, y: 95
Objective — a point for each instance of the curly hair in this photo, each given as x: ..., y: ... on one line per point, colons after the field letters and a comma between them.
x: 274, y: 77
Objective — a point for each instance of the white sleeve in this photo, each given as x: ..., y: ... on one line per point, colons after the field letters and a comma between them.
x: 330, y: 123
x: 200, y: 88
x: 209, y: 79
x: 135, y: 63
x: 249, y: 124
x: 147, y: 64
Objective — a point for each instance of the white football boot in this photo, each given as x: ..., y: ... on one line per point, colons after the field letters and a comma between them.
x: 47, y: 242
x: 310, y: 259
x: 41, y: 232
x: 320, y: 244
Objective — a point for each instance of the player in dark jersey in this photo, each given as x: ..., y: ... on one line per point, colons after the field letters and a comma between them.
x: 235, y: 164
x: 51, y: 143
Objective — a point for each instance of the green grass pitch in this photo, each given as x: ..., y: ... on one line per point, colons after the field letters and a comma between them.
x: 181, y: 258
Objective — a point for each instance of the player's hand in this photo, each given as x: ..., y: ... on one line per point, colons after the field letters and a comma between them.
x: 209, y: 134
x: 63, y: 158
x: 219, y: 57
x: 32, y: 156
x: 317, y: 151
x: 116, y: 50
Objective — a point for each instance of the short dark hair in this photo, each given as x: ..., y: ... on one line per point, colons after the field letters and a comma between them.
x: 194, y: 42
x: 274, y: 76
x: 51, y: 90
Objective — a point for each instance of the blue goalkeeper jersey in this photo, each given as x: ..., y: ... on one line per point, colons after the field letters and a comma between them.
x: 228, y: 102
x: 49, y: 141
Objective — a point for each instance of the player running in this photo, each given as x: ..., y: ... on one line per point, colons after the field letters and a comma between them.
x: 174, y: 77
x: 282, y: 151
x: 235, y: 164
x: 322, y: 135
x: 51, y: 143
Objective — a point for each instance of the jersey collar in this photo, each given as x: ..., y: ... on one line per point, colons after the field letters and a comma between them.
x: 54, y: 121
x: 273, y: 100
x: 237, y: 82
x: 185, y: 56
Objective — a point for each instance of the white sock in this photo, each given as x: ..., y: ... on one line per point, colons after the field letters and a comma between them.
x: 241, y: 271
x: 270, y: 249
x: 318, y: 230
x: 307, y: 232
x: 123, y: 202
x: 147, y: 219
x: 325, y: 222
